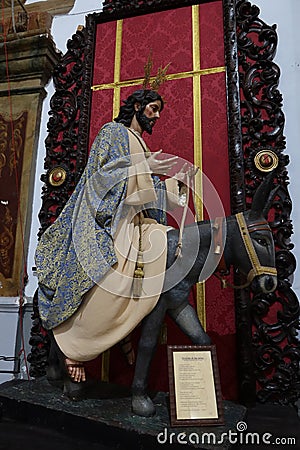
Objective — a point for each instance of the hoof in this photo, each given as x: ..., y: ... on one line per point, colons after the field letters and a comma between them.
x: 142, y: 405
x: 74, y: 391
x: 60, y: 374
x: 54, y: 376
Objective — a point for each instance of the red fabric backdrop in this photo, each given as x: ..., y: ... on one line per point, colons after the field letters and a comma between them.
x: 170, y: 36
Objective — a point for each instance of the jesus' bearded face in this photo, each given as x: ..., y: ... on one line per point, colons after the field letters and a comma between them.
x: 148, y: 117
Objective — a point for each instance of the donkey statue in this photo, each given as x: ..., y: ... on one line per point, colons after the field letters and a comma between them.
x: 248, y: 246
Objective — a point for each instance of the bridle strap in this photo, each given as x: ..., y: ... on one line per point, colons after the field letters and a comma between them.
x: 257, y: 268
x: 245, y: 230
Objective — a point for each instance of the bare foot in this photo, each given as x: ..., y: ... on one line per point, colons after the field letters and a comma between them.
x: 75, y: 370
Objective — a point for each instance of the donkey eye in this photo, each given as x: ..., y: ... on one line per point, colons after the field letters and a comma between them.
x: 262, y: 241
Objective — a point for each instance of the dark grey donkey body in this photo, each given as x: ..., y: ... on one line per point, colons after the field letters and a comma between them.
x: 248, y: 245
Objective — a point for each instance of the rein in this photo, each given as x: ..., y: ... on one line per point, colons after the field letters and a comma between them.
x: 257, y: 268
x: 225, y: 284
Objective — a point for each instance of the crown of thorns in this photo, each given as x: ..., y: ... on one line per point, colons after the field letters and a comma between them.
x: 155, y: 83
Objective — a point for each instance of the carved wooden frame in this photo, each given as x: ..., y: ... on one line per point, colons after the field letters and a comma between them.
x: 268, y: 353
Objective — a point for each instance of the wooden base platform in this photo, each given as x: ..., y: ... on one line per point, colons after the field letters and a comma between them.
x: 106, y: 418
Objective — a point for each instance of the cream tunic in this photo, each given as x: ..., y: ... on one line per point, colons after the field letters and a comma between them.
x: 109, y: 312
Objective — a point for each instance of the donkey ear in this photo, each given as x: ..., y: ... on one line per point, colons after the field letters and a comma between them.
x: 263, y: 197
x: 270, y: 201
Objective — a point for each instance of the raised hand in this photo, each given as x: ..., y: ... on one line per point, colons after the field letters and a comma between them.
x: 186, y: 173
x: 161, y: 166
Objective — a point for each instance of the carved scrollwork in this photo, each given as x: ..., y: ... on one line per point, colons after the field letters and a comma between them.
x: 66, y: 145
x: 262, y: 103
x: 39, y: 342
x: 274, y: 317
x: 256, y: 40
x: 236, y: 160
x: 123, y: 8
x: 276, y: 346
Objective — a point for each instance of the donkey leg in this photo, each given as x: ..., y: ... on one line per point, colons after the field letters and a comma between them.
x: 187, y: 320
x: 54, y: 373
x: 141, y: 403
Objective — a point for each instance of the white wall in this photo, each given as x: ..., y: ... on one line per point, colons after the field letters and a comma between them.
x: 9, y: 310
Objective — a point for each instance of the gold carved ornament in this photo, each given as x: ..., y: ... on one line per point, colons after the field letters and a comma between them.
x: 266, y: 160
x: 57, y: 176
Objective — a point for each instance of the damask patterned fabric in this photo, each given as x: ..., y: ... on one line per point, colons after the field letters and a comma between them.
x: 77, y: 251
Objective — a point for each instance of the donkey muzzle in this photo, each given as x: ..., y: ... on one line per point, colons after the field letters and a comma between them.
x: 264, y: 283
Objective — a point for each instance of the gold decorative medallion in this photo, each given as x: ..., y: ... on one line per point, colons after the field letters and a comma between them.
x: 57, y: 176
x: 266, y: 160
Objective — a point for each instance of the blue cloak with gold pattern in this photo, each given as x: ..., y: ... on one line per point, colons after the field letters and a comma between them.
x: 77, y: 250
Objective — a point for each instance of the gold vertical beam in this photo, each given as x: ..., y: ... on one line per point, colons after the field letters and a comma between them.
x: 117, y: 68
x: 200, y: 288
x: 115, y: 109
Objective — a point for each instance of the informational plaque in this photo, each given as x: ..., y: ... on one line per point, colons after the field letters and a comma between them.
x: 195, y: 394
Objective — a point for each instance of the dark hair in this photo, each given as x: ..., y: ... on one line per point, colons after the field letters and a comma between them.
x: 141, y: 96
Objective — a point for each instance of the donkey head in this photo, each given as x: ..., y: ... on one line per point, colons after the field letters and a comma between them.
x: 258, y: 240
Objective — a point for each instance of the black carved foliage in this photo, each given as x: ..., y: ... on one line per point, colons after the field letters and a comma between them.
x: 123, y: 8
x: 274, y: 317
x: 65, y: 148
x: 39, y: 342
